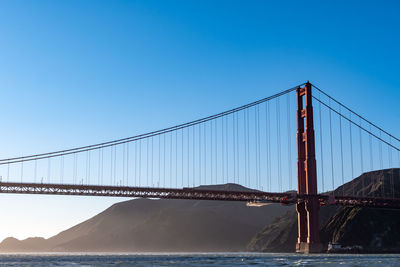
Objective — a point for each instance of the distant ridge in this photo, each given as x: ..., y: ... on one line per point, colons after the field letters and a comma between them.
x: 379, y: 183
x: 225, y: 187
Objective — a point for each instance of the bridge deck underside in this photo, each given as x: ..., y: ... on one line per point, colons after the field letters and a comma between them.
x: 191, y: 193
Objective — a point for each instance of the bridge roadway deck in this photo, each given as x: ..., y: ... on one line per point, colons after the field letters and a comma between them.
x: 286, y: 198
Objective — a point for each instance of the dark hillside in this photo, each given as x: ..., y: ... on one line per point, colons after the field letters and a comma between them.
x: 374, y: 229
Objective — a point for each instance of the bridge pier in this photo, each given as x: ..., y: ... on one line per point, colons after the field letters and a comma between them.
x: 313, y: 241
x: 307, y: 208
x: 302, y: 226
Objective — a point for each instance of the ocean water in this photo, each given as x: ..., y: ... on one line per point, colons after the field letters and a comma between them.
x: 206, y: 259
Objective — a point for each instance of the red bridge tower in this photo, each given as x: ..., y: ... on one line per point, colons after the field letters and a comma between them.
x: 308, y: 209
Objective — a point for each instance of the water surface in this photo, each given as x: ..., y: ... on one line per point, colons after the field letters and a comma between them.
x: 206, y: 259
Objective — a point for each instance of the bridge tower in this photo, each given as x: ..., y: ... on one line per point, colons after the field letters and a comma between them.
x: 308, y: 209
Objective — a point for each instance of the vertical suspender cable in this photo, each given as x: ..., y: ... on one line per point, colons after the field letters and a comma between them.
x: 22, y: 170
x: 35, y: 175
x: 152, y: 160
x: 256, y: 145
x: 170, y: 161
x: 140, y: 163
x: 269, y: 162
x: 77, y: 168
x: 237, y: 148
x: 147, y: 162
x: 278, y: 141
x: 182, y: 150
x: 8, y: 171
x: 289, y: 142
x: 73, y: 168
x: 227, y: 145
x: 200, y: 154
x: 87, y: 169
x: 234, y: 146
x: 48, y: 169
x: 371, y: 162
x: 205, y: 152
x: 267, y: 144
x: 211, y: 151
x: 176, y: 159
x: 125, y: 168
x: 341, y: 150
x: 123, y: 162
x: 391, y: 167
x: 164, y: 163
x: 351, y: 155
x: 361, y: 159
x: 381, y: 163
x: 245, y: 146
x: 223, y: 149
x: 136, y: 167
x: 371, y: 158
x: 102, y: 166
x: 115, y: 164
x: 321, y: 145
x: 330, y: 133
x: 194, y: 155
x: 380, y: 151
x: 188, y: 156
x: 111, y: 164
x: 88, y: 182
x: 127, y: 164
x: 216, y: 151
x: 61, y: 168
x: 248, y: 147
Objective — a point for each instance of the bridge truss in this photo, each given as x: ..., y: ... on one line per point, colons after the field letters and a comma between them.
x: 251, y: 196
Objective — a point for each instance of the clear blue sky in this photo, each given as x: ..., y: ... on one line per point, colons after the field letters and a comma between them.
x: 79, y: 72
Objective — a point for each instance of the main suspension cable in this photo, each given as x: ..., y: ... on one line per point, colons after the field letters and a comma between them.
x: 142, y: 136
x: 358, y: 115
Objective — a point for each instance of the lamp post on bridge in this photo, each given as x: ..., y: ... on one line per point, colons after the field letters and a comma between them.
x: 308, y: 209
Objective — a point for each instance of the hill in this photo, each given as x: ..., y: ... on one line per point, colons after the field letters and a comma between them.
x: 338, y: 224
x: 376, y: 230
x: 149, y: 225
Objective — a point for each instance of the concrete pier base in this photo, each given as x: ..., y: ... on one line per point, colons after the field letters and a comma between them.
x: 307, y: 248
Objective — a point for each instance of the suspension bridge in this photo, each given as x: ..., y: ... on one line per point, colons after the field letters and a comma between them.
x: 253, y: 145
